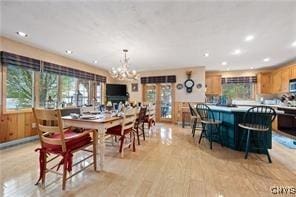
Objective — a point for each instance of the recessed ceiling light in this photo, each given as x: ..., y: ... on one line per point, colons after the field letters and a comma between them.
x: 207, y: 55
x: 266, y: 59
x: 224, y: 63
x: 294, y: 44
x: 252, y: 67
x: 249, y: 38
x: 22, y: 34
x: 69, y: 51
x: 95, y: 61
x: 236, y: 52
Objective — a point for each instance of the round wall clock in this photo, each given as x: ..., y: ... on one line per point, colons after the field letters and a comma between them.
x: 189, y: 83
x: 199, y: 85
x: 179, y: 86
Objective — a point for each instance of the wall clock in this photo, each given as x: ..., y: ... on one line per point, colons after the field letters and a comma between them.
x: 199, y: 85
x: 189, y: 83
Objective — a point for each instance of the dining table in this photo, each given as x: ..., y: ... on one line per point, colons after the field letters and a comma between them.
x: 100, y: 124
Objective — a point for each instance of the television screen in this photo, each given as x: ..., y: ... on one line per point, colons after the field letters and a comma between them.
x: 115, y: 90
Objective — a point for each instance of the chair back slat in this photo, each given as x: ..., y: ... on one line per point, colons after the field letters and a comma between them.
x: 129, y: 119
x: 49, y: 121
x: 205, y: 112
x: 261, y: 116
x: 192, y: 111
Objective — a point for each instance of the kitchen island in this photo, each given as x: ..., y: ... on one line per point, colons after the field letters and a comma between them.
x: 233, y: 134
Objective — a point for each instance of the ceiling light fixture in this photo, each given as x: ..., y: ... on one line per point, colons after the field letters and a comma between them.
x: 224, y: 63
x: 249, y: 38
x: 236, y: 52
x: 252, y: 67
x: 207, y: 55
x: 266, y: 59
x: 122, y: 72
x: 69, y: 51
x: 294, y: 44
x: 22, y: 34
x: 95, y: 61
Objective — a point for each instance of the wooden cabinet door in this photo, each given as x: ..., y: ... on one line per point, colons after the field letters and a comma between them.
x: 293, y: 72
x: 285, y: 77
x: 276, y: 81
x: 264, y: 83
x: 213, y: 84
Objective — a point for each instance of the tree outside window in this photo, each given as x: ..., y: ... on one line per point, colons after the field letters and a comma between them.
x: 19, y: 88
x: 242, y: 91
x: 48, y: 87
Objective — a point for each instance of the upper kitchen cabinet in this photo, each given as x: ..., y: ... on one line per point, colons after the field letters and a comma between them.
x: 276, y: 81
x: 285, y: 77
x: 213, y: 84
x: 280, y: 80
x: 264, y: 81
x: 293, y: 72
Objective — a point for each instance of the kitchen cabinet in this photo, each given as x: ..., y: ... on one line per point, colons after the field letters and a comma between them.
x: 293, y: 72
x: 285, y: 77
x: 264, y: 81
x: 276, y: 81
x: 213, y: 85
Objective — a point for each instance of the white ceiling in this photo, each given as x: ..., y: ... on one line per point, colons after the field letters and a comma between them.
x: 159, y: 35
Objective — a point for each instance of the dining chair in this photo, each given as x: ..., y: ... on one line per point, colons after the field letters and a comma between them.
x: 209, y: 123
x: 139, y: 125
x: 257, y: 120
x: 125, y: 130
x: 150, y: 116
x: 62, y: 143
x: 195, y: 119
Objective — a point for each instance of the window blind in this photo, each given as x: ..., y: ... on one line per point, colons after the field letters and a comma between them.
x: 159, y: 79
x: 245, y: 79
x: 19, y: 60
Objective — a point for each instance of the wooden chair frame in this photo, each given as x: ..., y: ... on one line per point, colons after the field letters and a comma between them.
x: 46, y: 116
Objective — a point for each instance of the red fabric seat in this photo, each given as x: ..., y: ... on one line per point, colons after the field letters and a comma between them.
x: 117, y: 130
x: 73, y: 141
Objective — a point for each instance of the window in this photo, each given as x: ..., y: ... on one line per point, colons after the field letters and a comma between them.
x: 19, y: 89
x: 68, y: 89
x: 99, y: 93
x: 83, y: 87
x: 48, y: 87
x: 241, y: 91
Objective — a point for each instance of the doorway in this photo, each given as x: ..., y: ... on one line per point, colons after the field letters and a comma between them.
x: 162, y: 95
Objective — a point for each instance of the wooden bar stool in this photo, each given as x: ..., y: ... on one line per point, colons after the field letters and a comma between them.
x: 208, y: 122
x: 194, y: 118
x: 257, y: 120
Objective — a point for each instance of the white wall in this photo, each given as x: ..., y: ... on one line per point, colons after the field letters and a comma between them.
x: 198, y: 76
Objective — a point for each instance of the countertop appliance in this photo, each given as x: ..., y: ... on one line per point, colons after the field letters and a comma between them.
x: 292, y: 85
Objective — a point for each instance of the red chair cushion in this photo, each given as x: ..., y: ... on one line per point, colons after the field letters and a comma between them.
x: 73, y: 140
x: 117, y: 130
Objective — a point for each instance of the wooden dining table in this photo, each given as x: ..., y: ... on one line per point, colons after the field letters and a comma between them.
x: 101, y: 124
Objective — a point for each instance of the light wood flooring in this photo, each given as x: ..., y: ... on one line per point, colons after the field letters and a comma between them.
x: 167, y: 164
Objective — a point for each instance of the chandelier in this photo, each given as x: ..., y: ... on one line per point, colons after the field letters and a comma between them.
x: 122, y: 72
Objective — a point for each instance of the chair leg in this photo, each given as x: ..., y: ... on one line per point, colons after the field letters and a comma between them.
x: 43, y: 173
x: 64, y: 174
x: 95, y: 141
x: 201, y: 135
x: 193, y: 128
x: 242, y: 139
x: 138, y: 135
x: 134, y: 142
x: 266, y: 149
x: 247, y: 145
x: 121, y: 143
x: 210, y: 138
x: 143, y: 131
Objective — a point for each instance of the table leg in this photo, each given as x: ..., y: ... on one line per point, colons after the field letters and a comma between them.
x: 102, y: 147
x: 95, y: 144
x: 183, y: 120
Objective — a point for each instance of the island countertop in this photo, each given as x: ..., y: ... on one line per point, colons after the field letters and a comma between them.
x: 235, y: 109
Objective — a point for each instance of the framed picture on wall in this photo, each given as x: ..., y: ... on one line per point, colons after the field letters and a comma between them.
x: 135, y: 87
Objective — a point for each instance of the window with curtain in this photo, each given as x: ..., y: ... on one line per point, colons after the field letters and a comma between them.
x: 68, y: 89
x: 48, y: 87
x: 99, y: 93
x: 239, y: 88
x: 19, y: 88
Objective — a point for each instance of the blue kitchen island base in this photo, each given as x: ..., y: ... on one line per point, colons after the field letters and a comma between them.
x: 234, y: 136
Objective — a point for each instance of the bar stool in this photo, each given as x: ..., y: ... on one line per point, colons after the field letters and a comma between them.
x: 257, y: 119
x: 194, y: 118
x: 208, y: 121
